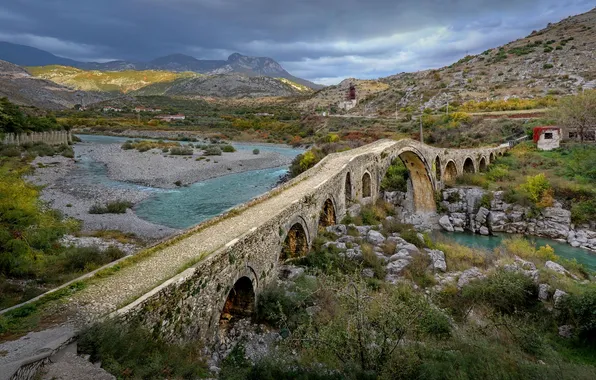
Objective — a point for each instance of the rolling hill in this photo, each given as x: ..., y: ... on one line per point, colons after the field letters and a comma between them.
x: 22, y: 88
x: 107, y: 81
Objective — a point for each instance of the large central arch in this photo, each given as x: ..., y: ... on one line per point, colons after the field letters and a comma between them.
x: 420, y: 177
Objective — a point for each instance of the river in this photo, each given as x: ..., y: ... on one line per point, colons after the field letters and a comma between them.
x: 187, y: 206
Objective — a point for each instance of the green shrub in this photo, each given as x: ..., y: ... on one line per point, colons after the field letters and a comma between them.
x: 212, y: 151
x: 85, y: 258
x: 535, y: 187
x: 504, y: 291
x: 10, y: 151
x: 115, y: 207
x: 498, y: 173
x: 228, y: 148
x: 181, y: 151
x: 486, y: 200
x: 396, y: 178
x: 547, y: 66
x: 127, y: 145
x: 580, y: 311
x: 583, y: 211
x: 132, y: 351
x: 256, y: 151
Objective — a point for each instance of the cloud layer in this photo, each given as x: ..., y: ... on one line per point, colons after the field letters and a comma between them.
x: 324, y: 41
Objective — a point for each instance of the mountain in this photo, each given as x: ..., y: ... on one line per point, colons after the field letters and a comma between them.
x: 21, y: 88
x: 557, y: 60
x: 236, y: 63
x: 28, y: 56
x: 231, y: 85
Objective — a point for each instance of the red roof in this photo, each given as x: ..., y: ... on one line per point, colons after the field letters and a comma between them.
x: 539, y: 130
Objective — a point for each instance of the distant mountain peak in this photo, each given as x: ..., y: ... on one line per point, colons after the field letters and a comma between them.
x: 235, y: 57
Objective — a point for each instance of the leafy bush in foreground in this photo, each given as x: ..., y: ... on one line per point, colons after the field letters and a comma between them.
x: 133, y: 352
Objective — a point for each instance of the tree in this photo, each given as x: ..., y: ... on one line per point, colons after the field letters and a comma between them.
x: 577, y: 112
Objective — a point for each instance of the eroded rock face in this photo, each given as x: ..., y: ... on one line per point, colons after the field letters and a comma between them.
x: 558, y: 297
x: 375, y: 237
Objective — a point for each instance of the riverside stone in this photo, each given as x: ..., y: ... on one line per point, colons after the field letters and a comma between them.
x: 446, y: 223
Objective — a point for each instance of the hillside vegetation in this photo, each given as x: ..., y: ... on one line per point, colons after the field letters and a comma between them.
x: 107, y: 81
x: 556, y: 60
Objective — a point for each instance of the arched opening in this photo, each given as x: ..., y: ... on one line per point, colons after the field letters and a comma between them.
x: 240, y: 303
x: 327, y: 217
x: 348, y: 188
x: 482, y: 165
x: 450, y: 172
x: 424, y: 194
x: 366, y: 186
x: 469, y: 166
x: 296, y: 243
x: 396, y: 178
x: 438, y: 169
x: 491, y: 158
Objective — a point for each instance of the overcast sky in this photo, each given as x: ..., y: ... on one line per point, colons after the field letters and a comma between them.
x: 321, y: 40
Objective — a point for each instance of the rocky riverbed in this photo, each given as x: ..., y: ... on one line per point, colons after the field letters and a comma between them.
x: 72, y: 187
x: 156, y: 169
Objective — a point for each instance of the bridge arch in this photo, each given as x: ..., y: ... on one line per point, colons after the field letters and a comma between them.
x: 491, y: 158
x: 468, y: 166
x: 450, y: 171
x: 482, y: 166
x: 420, y: 178
x: 328, y: 215
x: 438, y: 167
x: 240, y: 302
x: 348, y: 188
x: 366, y: 185
x: 296, y: 241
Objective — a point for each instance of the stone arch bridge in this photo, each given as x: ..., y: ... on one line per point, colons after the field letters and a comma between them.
x: 232, y: 258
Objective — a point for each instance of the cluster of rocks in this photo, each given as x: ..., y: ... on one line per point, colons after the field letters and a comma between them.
x: 395, y: 261
x: 484, y: 212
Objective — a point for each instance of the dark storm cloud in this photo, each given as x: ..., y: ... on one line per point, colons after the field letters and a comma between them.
x: 318, y: 39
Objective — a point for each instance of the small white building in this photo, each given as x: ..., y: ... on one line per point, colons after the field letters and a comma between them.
x: 547, y: 138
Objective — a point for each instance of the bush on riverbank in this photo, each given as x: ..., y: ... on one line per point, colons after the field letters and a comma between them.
x: 181, y: 151
x: 212, y: 151
x: 115, y: 207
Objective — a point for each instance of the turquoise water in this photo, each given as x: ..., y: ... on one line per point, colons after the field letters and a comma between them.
x: 187, y: 206
x: 183, y: 208
x: 564, y: 250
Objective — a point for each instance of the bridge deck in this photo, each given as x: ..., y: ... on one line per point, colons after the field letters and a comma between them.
x: 107, y: 294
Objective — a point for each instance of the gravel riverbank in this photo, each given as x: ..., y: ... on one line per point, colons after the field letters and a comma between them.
x: 156, y: 169
x: 74, y: 185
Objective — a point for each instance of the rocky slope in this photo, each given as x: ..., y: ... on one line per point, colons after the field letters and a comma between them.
x: 226, y: 86
x: 21, y: 88
x: 559, y: 59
